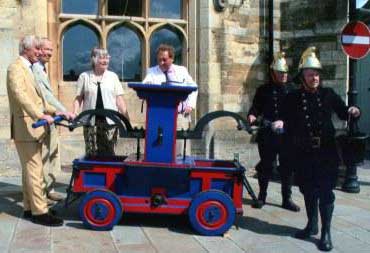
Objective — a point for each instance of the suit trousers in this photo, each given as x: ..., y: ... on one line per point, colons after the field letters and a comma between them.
x: 50, y: 153
x: 34, y: 196
x: 183, y: 123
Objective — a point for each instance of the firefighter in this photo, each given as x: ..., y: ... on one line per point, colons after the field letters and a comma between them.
x: 307, y: 116
x: 271, y: 146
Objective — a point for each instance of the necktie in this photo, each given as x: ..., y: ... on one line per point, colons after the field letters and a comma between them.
x: 166, y: 75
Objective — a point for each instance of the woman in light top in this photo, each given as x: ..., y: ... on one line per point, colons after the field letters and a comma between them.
x: 100, y: 88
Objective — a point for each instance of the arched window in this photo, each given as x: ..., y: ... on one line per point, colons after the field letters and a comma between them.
x: 166, y: 9
x: 124, y: 46
x: 76, y: 50
x: 166, y: 35
x: 125, y: 28
x: 125, y: 8
x: 80, y: 6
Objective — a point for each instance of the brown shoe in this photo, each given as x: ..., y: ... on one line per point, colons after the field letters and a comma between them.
x: 55, y: 196
x: 47, y: 220
x: 50, y: 202
x: 27, y: 214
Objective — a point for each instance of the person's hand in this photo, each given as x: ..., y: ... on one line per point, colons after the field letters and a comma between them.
x: 354, y: 111
x: 251, y: 119
x: 187, y: 110
x: 277, y: 125
x: 73, y: 115
x: 66, y: 115
x: 48, y: 119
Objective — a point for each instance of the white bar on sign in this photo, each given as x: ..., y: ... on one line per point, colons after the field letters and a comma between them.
x: 361, y: 40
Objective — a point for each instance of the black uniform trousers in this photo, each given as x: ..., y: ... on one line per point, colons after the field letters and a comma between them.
x: 272, y: 149
x: 317, y: 172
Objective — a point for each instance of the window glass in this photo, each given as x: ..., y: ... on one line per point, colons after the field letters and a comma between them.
x: 125, y: 7
x: 80, y: 6
x: 165, y: 9
x: 166, y: 35
x: 124, y: 46
x: 362, y: 3
x: 77, y: 44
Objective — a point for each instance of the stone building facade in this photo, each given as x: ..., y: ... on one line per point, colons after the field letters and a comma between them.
x: 227, y: 53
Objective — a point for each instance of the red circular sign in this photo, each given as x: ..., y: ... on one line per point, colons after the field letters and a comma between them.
x: 355, y: 39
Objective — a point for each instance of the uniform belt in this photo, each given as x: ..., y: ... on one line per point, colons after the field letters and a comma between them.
x: 315, y: 142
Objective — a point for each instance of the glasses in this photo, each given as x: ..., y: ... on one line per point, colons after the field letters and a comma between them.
x: 104, y: 56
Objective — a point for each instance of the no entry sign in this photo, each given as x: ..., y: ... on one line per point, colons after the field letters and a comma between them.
x: 355, y: 39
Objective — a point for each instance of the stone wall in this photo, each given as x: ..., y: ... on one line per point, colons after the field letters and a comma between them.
x: 316, y: 23
x: 17, y: 19
x: 236, y: 60
x: 232, y: 63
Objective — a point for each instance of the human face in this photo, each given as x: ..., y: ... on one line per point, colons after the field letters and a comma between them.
x: 46, y: 52
x: 164, y: 60
x: 102, y: 63
x: 311, y: 79
x: 32, y: 54
x: 280, y: 77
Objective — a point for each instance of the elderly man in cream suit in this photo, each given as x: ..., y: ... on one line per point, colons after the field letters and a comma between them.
x: 27, y: 105
x: 167, y: 72
x: 51, y: 156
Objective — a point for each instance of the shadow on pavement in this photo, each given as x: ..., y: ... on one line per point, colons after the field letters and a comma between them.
x: 263, y: 227
x: 175, y: 223
x: 249, y: 202
x: 11, y: 200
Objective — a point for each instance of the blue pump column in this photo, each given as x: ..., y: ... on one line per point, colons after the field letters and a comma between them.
x: 161, y: 117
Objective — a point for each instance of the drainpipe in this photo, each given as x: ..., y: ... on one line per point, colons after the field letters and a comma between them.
x: 270, y: 8
x: 351, y: 184
x: 352, y: 89
x: 271, y: 30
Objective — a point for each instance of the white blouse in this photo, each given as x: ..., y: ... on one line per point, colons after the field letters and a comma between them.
x: 110, y: 86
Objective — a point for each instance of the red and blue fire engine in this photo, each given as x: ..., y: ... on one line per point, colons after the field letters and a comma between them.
x: 208, y: 191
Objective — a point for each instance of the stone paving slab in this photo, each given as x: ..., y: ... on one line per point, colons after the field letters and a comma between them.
x: 259, y: 230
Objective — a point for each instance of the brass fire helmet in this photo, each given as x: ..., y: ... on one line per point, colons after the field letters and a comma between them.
x: 279, y: 63
x: 309, y: 60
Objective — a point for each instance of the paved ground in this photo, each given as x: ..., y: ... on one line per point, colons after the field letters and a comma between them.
x: 266, y: 230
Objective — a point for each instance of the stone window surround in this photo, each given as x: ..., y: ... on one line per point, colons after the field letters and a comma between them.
x: 59, y: 22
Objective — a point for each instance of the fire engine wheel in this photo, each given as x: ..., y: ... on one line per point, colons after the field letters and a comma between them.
x: 211, y: 213
x: 100, y: 210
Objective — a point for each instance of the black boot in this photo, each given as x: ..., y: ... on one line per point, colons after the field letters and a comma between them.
x: 263, y: 183
x: 326, y: 213
x: 47, y: 219
x: 312, y: 215
x: 286, y: 192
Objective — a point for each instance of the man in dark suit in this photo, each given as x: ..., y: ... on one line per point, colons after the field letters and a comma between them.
x: 271, y: 144
x: 307, y: 116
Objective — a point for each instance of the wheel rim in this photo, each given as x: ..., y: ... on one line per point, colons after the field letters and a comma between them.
x: 211, y: 214
x: 99, y: 211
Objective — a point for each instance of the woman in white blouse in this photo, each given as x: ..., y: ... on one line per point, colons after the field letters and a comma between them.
x: 100, y: 88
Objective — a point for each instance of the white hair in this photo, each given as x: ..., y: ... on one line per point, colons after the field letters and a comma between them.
x: 97, y: 53
x: 27, y: 42
x: 41, y: 41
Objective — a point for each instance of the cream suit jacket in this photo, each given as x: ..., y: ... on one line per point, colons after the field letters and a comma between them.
x: 26, y: 102
x: 43, y: 81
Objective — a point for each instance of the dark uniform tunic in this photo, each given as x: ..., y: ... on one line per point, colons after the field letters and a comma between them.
x: 311, y: 135
x: 268, y: 103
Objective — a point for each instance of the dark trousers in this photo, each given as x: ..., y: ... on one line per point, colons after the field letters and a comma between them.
x: 272, y: 149
x: 317, y: 173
